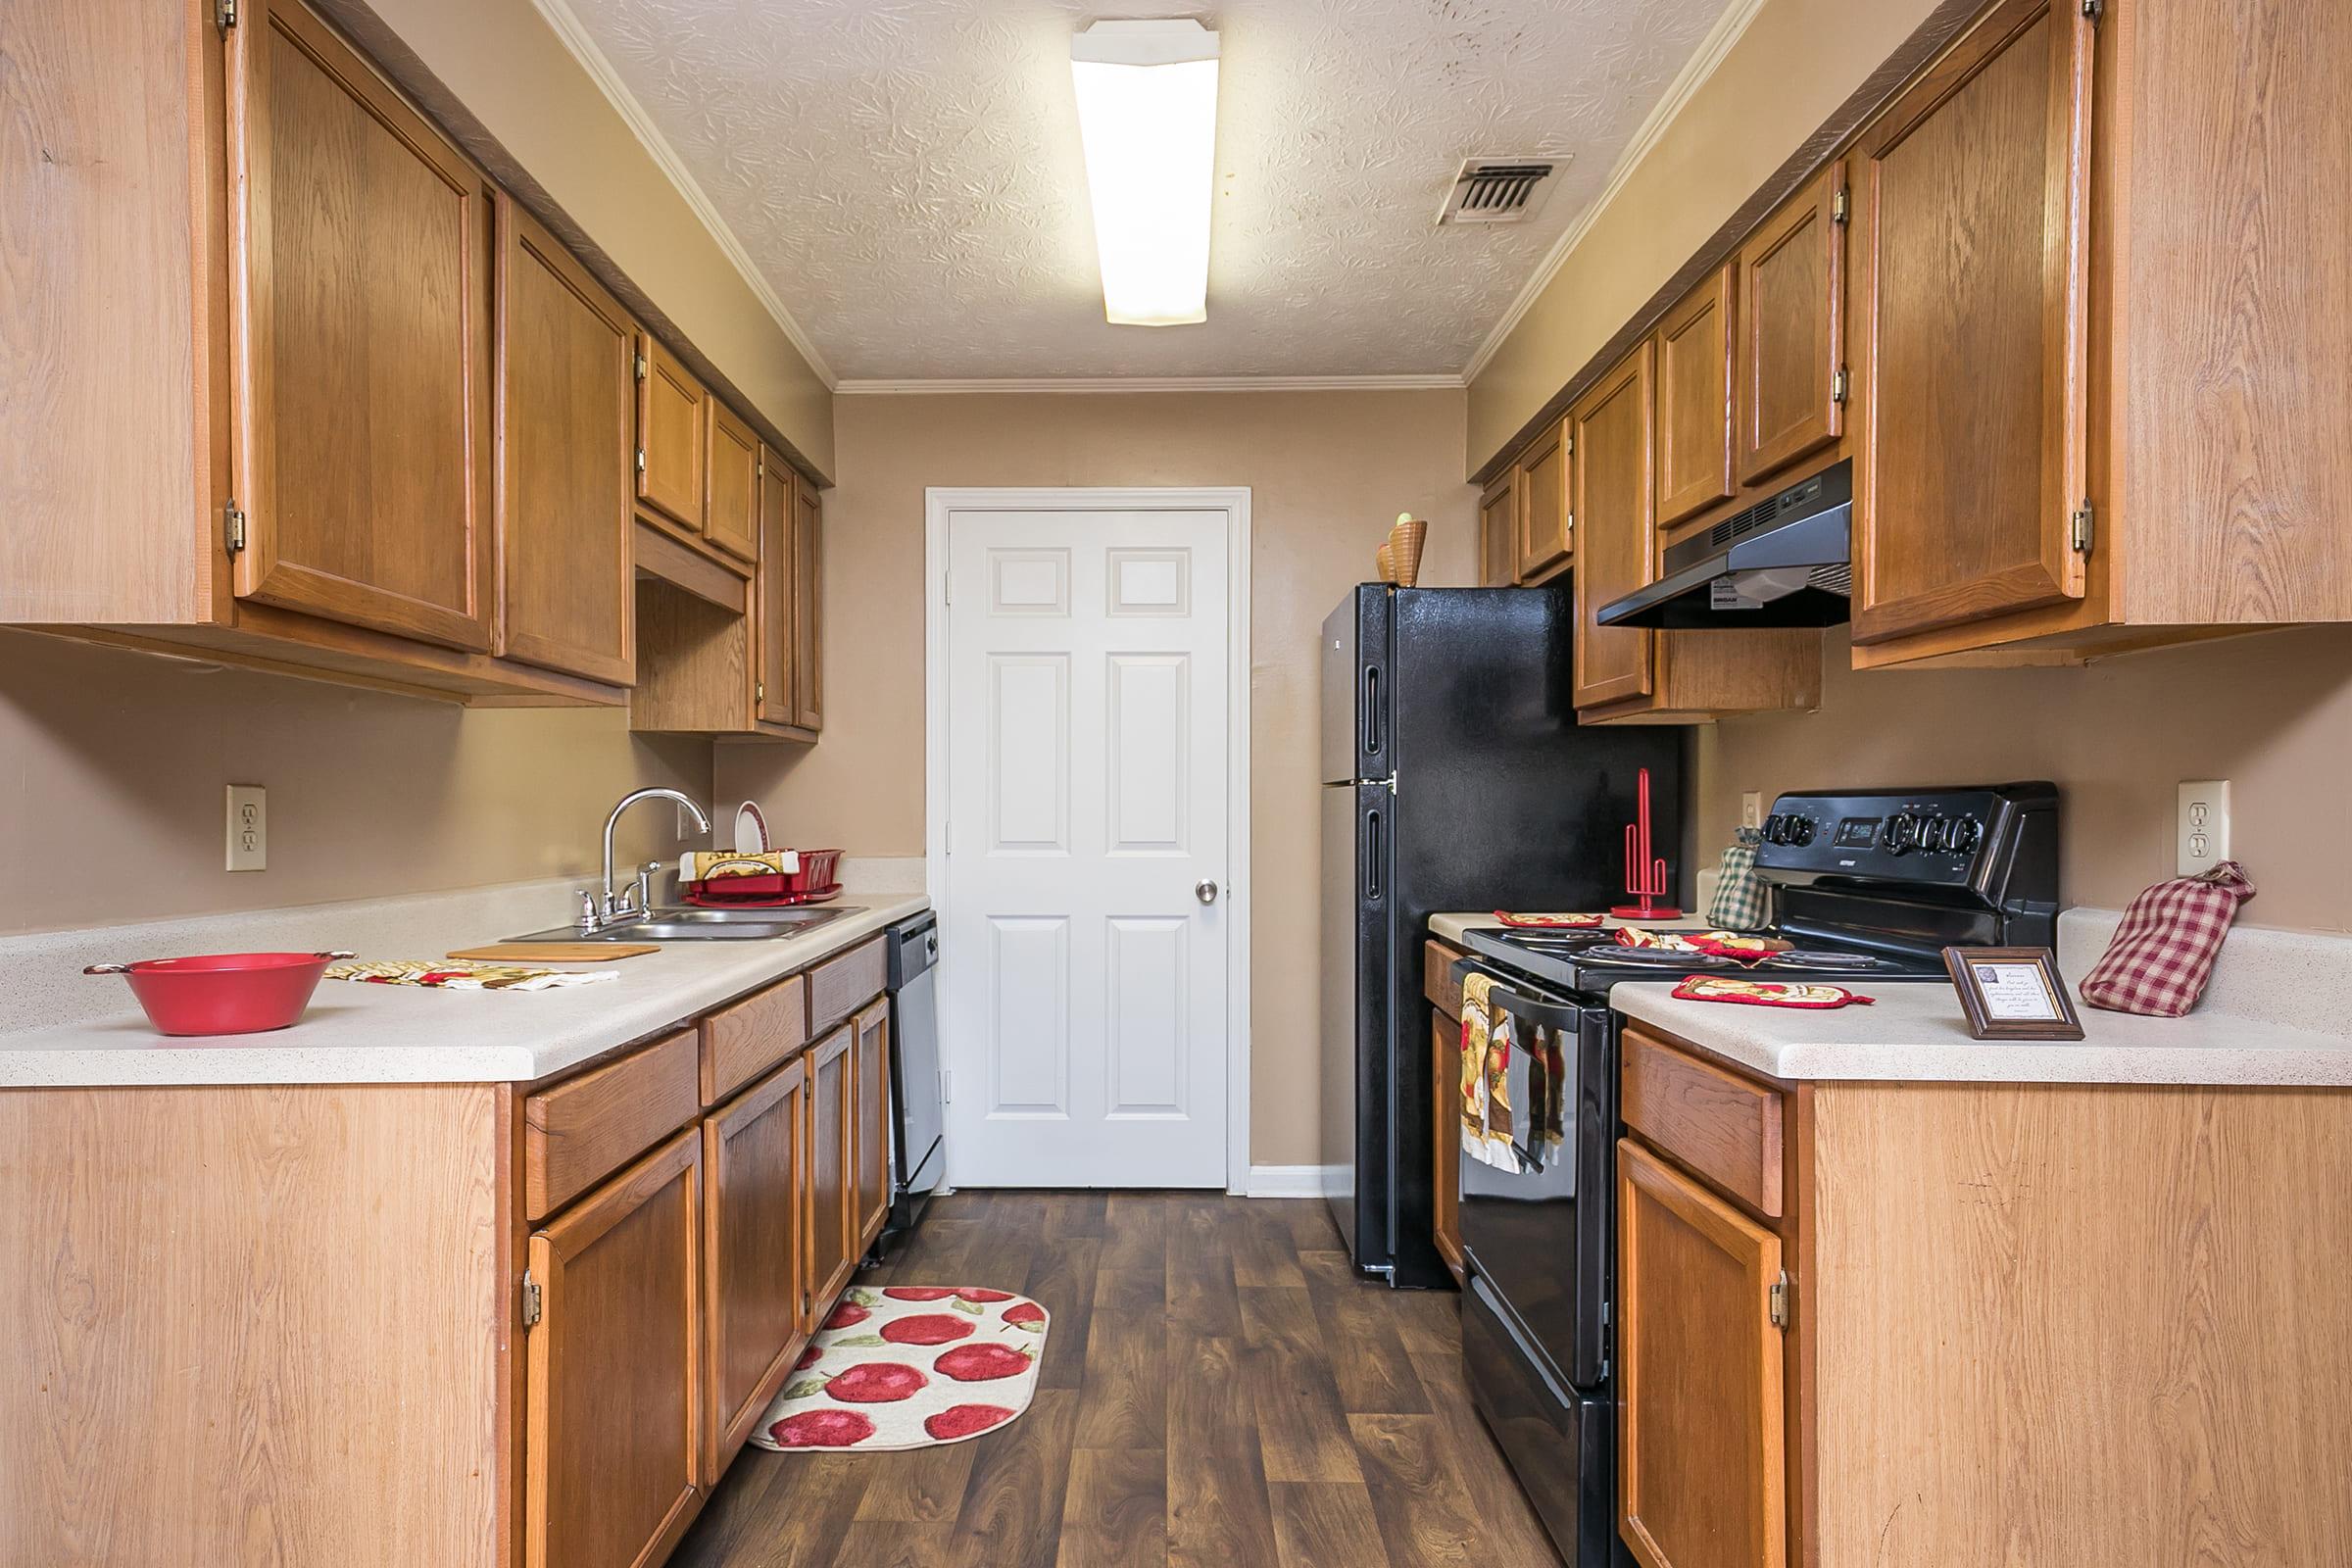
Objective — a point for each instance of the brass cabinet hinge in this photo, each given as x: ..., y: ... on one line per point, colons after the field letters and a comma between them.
x: 1778, y: 1300
x: 2079, y: 527
x: 1568, y: 523
x: 1567, y: 445
x: 759, y: 691
x: 1840, y: 206
x: 224, y: 14
x: 534, y: 1303
x: 1840, y: 385
x: 232, y: 527
x: 2095, y: 10
x: 641, y: 459
x: 641, y: 367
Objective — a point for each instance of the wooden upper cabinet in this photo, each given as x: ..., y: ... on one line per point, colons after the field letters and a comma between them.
x: 872, y: 1095
x: 807, y: 616
x: 731, y: 511
x: 671, y: 452
x: 1546, y: 518
x: 1695, y: 401
x: 613, y: 1390
x: 361, y: 352
x: 1702, y: 1451
x: 564, y: 416
x: 1792, y: 329
x: 1611, y: 427
x: 754, y: 1252
x: 775, y: 597
x: 1498, y: 531
x: 1971, y: 439
x: 832, y: 1187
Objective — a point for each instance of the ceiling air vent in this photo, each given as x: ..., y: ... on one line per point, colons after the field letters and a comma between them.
x: 1499, y: 190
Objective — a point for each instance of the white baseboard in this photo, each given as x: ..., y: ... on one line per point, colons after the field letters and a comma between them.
x: 1285, y: 1181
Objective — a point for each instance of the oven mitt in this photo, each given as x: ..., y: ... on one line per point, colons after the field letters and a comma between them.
x: 1485, y: 1092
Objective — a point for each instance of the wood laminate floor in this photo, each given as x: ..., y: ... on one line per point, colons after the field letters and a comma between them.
x: 1218, y: 1392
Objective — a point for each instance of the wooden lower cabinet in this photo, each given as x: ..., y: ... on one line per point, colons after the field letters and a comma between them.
x: 833, y: 1248
x: 1445, y: 1123
x: 612, y: 1461
x: 1702, y: 1473
x: 755, y: 1252
x: 872, y: 1095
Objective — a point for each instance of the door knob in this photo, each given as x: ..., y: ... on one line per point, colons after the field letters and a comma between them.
x: 1206, y: 891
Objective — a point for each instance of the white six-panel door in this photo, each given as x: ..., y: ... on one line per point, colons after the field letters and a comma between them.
x: 1084, y: 1000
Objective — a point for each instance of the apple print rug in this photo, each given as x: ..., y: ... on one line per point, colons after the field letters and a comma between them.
x: 909, y: 1365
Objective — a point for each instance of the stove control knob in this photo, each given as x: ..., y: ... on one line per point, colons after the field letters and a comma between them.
x: 1961, y: 837
x: 1800, y: 830
x: 1775, y: 829
x: 1932, y: 833
x: 1902, y: 833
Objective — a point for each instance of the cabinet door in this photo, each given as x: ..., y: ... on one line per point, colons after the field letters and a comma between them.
x: 832, y: 1186
x: 361, y: 353
x: 1701, y: 1456
x: 872, y: 1097
x: 1545, y: 517
x: 612, y: 1385
x: 755, y: 1252
x: 1499, y: 532
x: 1791, y: 314
x: 1970, y: 460
x: 1611, y: 429
x: 808, y: 647
x: 1694, y: 401
x: 564, y: 416
x: 776, y: 594
x: 672, y: 410
x: 1446, y: 1065
x: 731, y: 485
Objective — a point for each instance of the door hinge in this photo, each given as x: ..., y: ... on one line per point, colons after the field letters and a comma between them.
x: 232, y: 527
x: 1840, y: 206
x: 1838, y: 385
x: 1567, y: 445
x: 2095, y: 10
x: 759, y: 691
x: 946, y: 1087
x: 946, y: 587
x: 641, y: 459
x: 534, y: 1305
x: 642, y: 366
x: 224, y: 14
x: 1779, y: 1300
x: 1568, y: 523
x: 2079, y: 527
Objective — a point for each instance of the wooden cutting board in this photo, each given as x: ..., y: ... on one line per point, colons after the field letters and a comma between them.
x: 555, y: 951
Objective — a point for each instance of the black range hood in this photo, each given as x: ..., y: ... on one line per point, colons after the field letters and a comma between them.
x: 1784, y: 561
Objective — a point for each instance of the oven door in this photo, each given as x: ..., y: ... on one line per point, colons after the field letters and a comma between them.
x: 1537, y: 1228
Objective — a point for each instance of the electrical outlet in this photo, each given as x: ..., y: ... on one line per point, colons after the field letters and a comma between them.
x: 2203, y: 830
x: 1751, y: 808
x: 248, y: 827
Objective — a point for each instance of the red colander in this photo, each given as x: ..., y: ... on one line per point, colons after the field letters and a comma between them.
x: 223, y: 993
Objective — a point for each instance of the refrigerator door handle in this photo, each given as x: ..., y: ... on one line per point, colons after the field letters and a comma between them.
x: 1372, y: 854
x: 1372, y: 718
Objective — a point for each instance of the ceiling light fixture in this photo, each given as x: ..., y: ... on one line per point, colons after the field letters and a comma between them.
x: 1148, y: 116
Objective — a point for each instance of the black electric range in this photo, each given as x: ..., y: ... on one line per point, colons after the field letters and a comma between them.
x: 1869, y: 888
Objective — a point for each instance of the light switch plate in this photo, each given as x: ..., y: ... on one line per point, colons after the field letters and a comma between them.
x: 1751, y: 807
x: 2203, y: 827
x: 248, y: 827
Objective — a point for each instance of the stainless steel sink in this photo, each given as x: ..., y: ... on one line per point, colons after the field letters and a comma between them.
x: 703, y: 925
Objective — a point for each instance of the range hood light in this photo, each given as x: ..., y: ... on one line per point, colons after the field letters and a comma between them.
x: 1148, y: 117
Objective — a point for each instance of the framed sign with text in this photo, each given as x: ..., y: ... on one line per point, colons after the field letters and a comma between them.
x: 2013, y: 994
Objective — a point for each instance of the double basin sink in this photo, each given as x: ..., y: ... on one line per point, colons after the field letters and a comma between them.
x: 701, y: 925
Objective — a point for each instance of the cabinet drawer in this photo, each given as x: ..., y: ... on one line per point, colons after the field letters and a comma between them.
x: 839, y: 987
x: 744, y: 1039
x: 1719, y: 1124
x: 585, y: 1128
x: 1438, y: 983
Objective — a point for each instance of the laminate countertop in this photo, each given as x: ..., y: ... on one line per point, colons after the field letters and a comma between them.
x: 357, y: 1033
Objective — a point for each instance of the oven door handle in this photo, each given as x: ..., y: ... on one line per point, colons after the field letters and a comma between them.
x: 1517, y: 1003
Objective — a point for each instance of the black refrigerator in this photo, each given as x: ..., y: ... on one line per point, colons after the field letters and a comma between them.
x: 1454, y: 777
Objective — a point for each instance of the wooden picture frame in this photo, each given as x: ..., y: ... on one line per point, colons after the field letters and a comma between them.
x: 2013, y: 994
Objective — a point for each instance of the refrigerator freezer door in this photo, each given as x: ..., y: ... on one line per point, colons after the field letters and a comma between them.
x: 1355, y: 702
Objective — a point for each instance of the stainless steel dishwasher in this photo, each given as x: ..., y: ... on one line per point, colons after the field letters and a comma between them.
x: 919, y: 1160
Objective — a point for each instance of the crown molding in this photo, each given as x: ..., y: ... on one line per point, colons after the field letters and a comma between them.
x: 1702, y: 64
x: 574, y: 36
x: 1151, y: 383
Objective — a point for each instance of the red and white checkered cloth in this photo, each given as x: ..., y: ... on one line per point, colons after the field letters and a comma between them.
x: 2164, y: 951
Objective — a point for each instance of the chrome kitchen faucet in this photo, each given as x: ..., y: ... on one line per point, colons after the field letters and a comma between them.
x: 614, y: 907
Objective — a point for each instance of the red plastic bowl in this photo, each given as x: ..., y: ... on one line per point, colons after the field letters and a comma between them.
x: 223, y: 993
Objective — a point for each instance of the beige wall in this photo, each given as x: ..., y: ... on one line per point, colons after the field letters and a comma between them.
x: 1328, y: 472
x: 2272, y: 714
x: 111, y: 766
x: 506, y: 64
x: 1796, y: 62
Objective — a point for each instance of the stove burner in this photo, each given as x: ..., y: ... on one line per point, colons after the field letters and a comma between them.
x: 1823, y: 958
x: 1656, y: 958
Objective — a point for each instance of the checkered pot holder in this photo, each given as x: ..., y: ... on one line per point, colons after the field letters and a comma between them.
x: 1739, y: 902
x: 2164, y: 951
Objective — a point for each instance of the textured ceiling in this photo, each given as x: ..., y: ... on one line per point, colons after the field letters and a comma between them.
x: 907, y: 173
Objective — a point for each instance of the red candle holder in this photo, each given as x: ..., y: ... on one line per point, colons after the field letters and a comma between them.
x: 1645, y: 875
